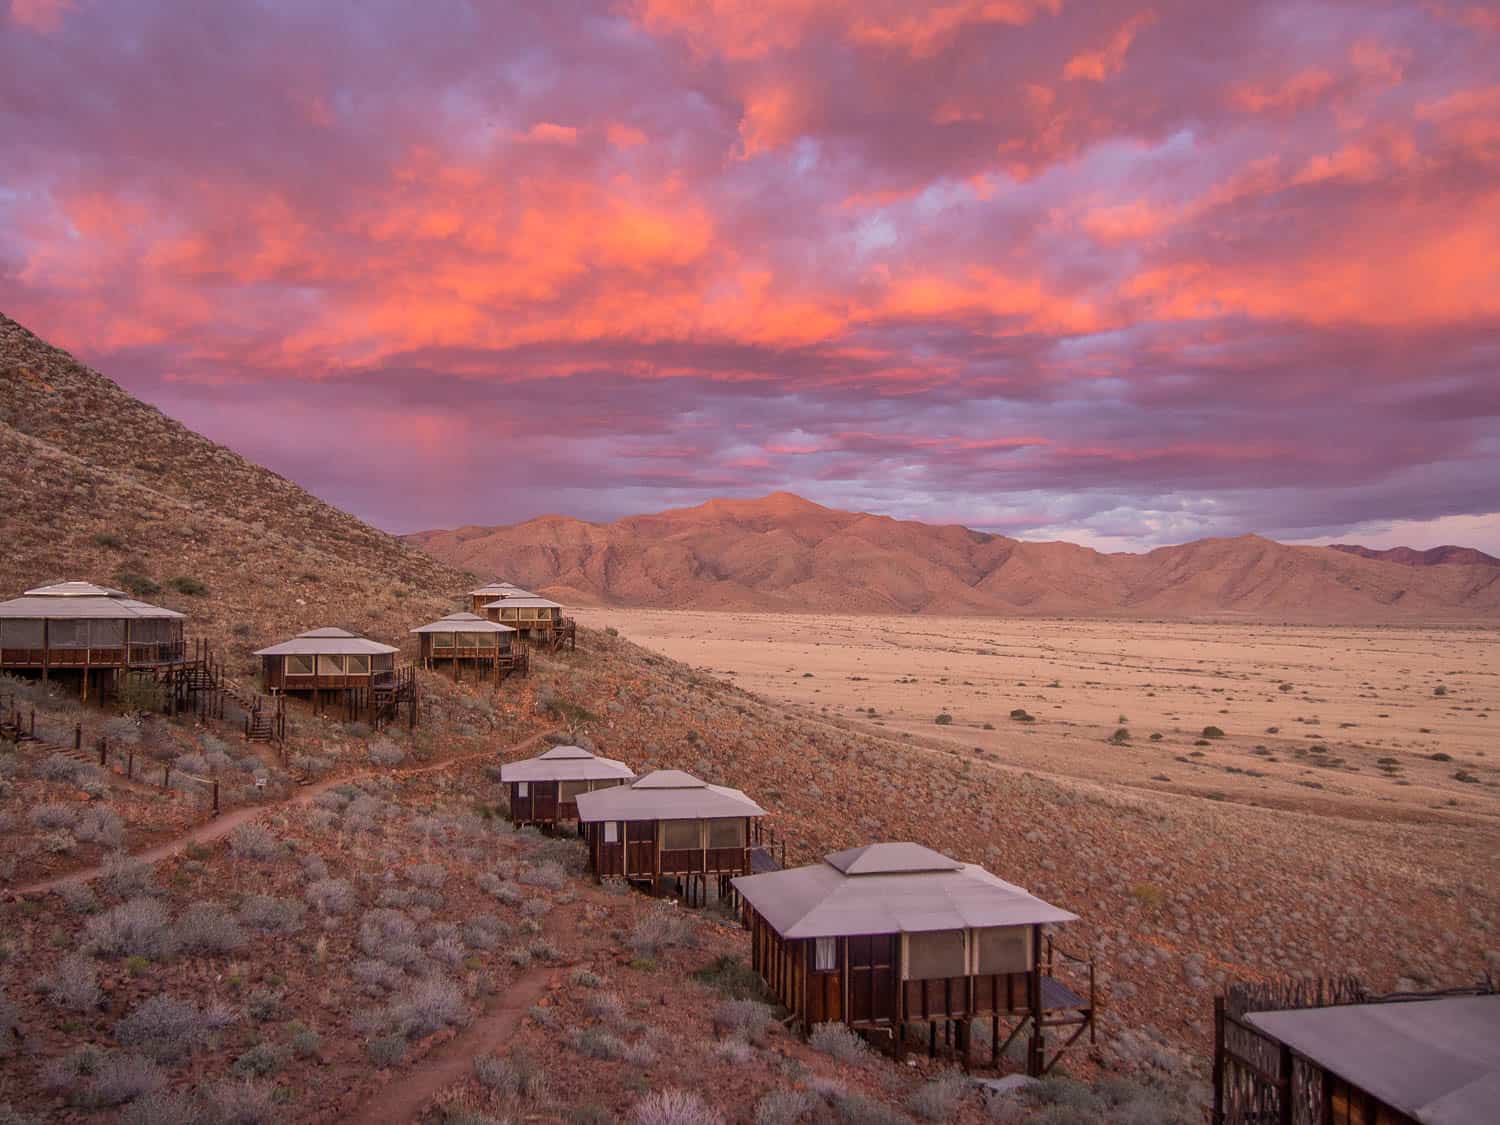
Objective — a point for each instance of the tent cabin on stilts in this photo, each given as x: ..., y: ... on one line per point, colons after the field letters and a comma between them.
x: 538, y: 619
x: 359, y: 676
x: 99, y: 635
x: 893, y: 934
x: 466, y: 639
x: 495, y: 591
x: 544, y: 790
x: 671, y: 831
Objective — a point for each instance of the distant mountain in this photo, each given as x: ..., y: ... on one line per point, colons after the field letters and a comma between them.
x: 1410, y: 556
x: 782, y: 552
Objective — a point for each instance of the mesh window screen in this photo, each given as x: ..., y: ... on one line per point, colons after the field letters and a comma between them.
x: 106, y: 634
x: 569, y: 790
x: 933, y: 955
x: 299, y: 665
x: 68, y: 634
x: 330, y: 665
x: 726, y: 833
x: 682, y: 834
x: 1003, y: 949
x: 357, y: 665
x: 21, y: 633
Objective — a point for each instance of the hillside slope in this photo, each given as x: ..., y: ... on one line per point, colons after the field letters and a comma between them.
x: 103, y: 487
x: 786, y: 553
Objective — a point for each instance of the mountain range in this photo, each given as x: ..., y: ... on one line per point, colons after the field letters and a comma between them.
x: 782, y: 552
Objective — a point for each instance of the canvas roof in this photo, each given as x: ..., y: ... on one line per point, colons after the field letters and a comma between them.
x: 665, y: 795
x: 528, y: 601
x: 501, y: 590
x: 74, y: 600
x: 890, y: 889
x: 463, y: 623
x: 1437, y: 1060
x: 327, y: 642
x: 566, y: 763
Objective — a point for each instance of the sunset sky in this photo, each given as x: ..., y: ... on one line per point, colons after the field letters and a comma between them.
x: 1120, y: 273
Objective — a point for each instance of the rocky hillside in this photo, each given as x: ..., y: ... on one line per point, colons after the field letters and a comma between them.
x: 1446, y: 555
x: 103, y: 487
x: 785, y: 553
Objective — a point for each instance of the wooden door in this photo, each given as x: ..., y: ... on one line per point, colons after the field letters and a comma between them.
x: 874, y: 966
x: 544, y: 800
x: 640, y: 851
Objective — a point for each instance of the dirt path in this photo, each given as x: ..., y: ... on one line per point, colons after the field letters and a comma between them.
x: 225, y: 823
x: 401, y: 1102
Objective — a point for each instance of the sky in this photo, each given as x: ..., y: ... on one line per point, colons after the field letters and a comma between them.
x: 1122, y: 273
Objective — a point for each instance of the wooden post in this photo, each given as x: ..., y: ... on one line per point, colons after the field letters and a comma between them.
x: 32, y: 728
x: 1036, y: 1050
x: 129, y: 762
x: 46, y: 647
x: 1288, y: 1098
x: 995, y: 1040
x: 78, y: 732
x: 216, y: 796
x: 103, y: 750
x: 166, y: 773
x: 1217, y: 1117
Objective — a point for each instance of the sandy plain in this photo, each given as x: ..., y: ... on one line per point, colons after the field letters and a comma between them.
x: 1384, y: 723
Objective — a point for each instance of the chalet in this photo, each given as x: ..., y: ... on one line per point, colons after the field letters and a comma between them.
x: 544, y: 790
x: 356, y: 673
x: 886, y: 935
x: 95, y: 633
x: 669, y: 827
x: 537, y: 618
x: 1336, y: 1054
x: 468, y: 639
x: 495, y: 591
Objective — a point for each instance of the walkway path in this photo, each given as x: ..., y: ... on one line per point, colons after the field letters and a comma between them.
x: 225, y: 823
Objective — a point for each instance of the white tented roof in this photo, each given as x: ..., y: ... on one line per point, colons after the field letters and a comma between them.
x: 463, y: 623
x: 501, y: 590
x: 890, y: 889
x: 327, y: 642
x: 1436, y: 1060
x: 566, y: 763
x: 75, y: 600
x: 524, y: 601
x: 666, y: 795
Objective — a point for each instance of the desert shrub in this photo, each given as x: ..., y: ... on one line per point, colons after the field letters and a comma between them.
x: 60, y: 767
x: 94, y: 1079
x: 430, y: 875
x: 260, y: 1060
x: 384, y: 752
x: 1212, y: 732
x: 78, y: 898
x: 99, y: 824
x: 747, y: 1019
x: 137, y: 928
x: 606, y: 1006
x: 425, y: 1006
x: 168, y: 1028
x: 377, y: 976
x: 185, y: 584
x: 331, y: 896
x: 674, y: 1107
x: 515, y: 1078
x: 856, y: 1109
x: 837, y: 1040
x: 1121, y: 736
x: 485, y: 931
x: 304, y: 1042
x: 548, y: 874
x: 492, y: 884
x: 944, y: 719
x: 664, y: 927
x: 386, y: 1050
x: 447, y: 950
x: 246, y: 1102
x: 271, y: 915
x: 519, y: 957
x: 134, y: 582
x: 254, y: 842
x: 264, y: 1004
x: 784, y: 1107
x: 938, y: 1099
x: 73, y: 983
x: 1021, y: 715
x: 54, y: 814
x: 207, y: 927
x: 735, y: 1050
x: 586, y: 978
x: 733, y: 978
x: 545, y: 951
x: 596, y: 1043
x: 161, y: 1107
x: 127, y: 876
x: 390, y: 936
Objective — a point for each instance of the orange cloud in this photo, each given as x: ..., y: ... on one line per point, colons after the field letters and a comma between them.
x: 43, y: 16
x: 1298, y: 92
x: 772, y: 116
x: 1126, y: 222
x: 625, y: 136
x: 546, y: 132
x: 987, y: 292
x: 1107, y: 61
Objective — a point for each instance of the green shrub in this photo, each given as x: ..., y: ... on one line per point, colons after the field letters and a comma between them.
x: 1120, y: 737
x: 136, y: 583
x: 944, y: 719
x: 1212, y: 732
x: 186, y: 585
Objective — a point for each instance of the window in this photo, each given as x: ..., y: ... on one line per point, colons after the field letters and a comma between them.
x: 68, y: 634
x: 932, y: 956
x: 825, y: 955
x: 106, y: 634
x: 21, y: 633
x: 611, y: 831
x: 569, y: 790
x: 728, y: 833
x: 442, y: 640
x: 1002, y: 949
x: 679, y: 834
x: 467, y: 640
x: 357, y: 665
x: 299, y: 665
x: 523, y: 789
x: 330, y: 665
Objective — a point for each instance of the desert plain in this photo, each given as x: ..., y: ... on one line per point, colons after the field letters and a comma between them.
x: 1364, y: 722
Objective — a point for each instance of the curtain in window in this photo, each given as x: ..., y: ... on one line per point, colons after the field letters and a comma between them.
x: 357, y: 665
x: 825, y: 955
x: 569, y: 790
x: 611, y: 831
x: 299, y: 665
x: 330, y: 665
